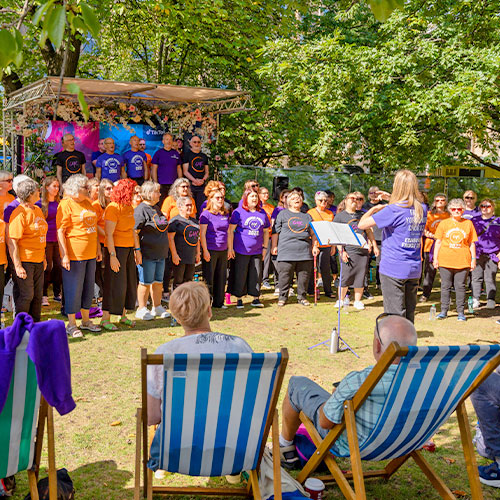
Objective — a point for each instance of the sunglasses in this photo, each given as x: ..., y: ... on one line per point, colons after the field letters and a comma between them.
x: 468, y: 197
x: 380, y: 317
x: 456, y: 209
x: 322, y: 201
x: 485, y: 206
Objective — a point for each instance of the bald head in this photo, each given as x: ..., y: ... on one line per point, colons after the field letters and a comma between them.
x: 393, y: 329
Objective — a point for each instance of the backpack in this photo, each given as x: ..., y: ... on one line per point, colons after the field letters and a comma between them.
x: 65, y: 490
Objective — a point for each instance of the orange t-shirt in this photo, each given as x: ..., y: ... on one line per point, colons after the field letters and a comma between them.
x: 79, y: 219
x: 29, y: 227
x: 456, y: 238
x: 169, y: 208
x: 319, y: 215
x: 3, y: 249
x: 269, y: 209
x: 433, y: 221
x: 4, y: 201
x: 100, y: 218
x: 123, y: 215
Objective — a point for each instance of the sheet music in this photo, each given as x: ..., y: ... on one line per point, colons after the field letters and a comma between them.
x: 335, y: 233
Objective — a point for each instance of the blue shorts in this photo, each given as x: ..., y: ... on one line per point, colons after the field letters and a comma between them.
x: 151, y: 271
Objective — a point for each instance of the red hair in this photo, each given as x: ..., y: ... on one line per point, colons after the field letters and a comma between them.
x: 123, y: 192
x: 244, y: 199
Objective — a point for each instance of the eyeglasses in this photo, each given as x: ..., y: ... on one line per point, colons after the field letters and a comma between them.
x: 184, y: 186
x: 378, y: 318
x: 322, y: 200
x: 468, y: 197
x: 485, y: 206
x: 7, y: 180
x: 457, y: 209
x: 440, y: 200
x: 254, y: 185
x: 372, y: 192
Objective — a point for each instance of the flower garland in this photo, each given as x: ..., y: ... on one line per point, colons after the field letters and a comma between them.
x: 37, y: 162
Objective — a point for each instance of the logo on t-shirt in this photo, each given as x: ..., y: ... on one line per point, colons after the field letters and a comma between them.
x: 137, y: 161
x: 197, y: 164
x: 456, y: 237
x: 88, y: 220
x: 41, y: 228
x: 160, y: 222
x: 73, y: 164
x: 191, y: 235
x: 112, y: 164
x: 254, y: 224
x: 297, y: 225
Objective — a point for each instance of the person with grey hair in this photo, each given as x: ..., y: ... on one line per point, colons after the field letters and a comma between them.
x: 6, y: 180
x: 454, y: 256
x: 184, y: 242
x: 179, y: 189
x: 80, y: 249
x: 151, y: 227
x: 69, y: 161
x: 27, y: 233
x: 326, y: 409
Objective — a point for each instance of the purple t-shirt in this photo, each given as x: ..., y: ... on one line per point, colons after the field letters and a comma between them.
x: 217, y: 226
x: 401, y: 241
x: 134, y: 163
x: 51, y: 220
x: 276, y: 211
x: 167, y: 162
x: 470, y: 214
x: 9, y: 209
x: 488, y: 236
x: 110, y: 166
x: 249, y: 232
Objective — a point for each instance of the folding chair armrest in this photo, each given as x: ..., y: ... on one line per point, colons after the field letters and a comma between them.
x: 490, y: 367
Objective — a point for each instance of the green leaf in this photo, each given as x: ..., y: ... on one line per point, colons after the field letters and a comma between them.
x: 9, y: 48
x: 75, y: 89
x: 18, y: 58
x: 91, y: 20
x: 41, y: 11
x: 55, y: 24
x: 382, y: 9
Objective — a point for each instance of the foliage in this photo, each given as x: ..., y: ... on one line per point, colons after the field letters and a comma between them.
x: 38, y: 159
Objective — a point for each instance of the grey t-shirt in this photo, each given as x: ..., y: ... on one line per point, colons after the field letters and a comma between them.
x: 377, y: 232
x: 345, y: 217
x: 294, y: 243
x: 211, y: 342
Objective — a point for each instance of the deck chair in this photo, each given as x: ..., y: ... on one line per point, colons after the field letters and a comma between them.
x: 22, y: 425
x: 430, y: 383
x: 217, y: 412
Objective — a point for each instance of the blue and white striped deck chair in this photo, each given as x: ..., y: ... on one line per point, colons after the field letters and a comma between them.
x: 430, y: 383
x: 217, y: 412
x: 22, y: 424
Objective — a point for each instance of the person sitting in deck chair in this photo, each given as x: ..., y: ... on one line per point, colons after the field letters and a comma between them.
x: 190, y: 306
x: 325, y: 409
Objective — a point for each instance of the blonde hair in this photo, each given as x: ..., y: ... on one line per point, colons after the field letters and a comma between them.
x: 101, y: 196
x: 190, y: 303
x: 210, y: 202
x: 148, y: 189
x: 405, y: 192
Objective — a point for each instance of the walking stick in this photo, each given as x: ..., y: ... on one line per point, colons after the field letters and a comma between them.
x: 315, y: 287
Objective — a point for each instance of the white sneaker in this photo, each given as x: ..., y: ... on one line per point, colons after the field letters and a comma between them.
x: 475, y: 303
x: 358, y: 305
x: 276, y: 292
x: 339, y: 303
x: 144, y: 314
x: 319, y: 283
x: 160, y: 312
x: 45, y: 301
x: 291, y: 293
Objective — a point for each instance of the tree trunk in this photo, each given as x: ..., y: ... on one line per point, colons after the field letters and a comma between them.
x: 11, y: 82
x: 53, y: 59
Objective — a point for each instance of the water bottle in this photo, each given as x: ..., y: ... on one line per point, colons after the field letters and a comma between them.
x: 432, y: 312
x: 228, y: 299
x: 173, y: 321
x: 196, y: 277
x: 334, y: 341
x: 470, y: 304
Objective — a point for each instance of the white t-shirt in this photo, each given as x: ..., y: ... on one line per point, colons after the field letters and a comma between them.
x: 211, y: 342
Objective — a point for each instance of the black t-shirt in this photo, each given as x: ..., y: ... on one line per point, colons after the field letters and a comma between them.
x: 71, y: 163
x: 187, y: 235
x: 345, y: 217
x: 152, y: 226
x: 196, y: 165
x: 294, y: 242
x: 377, y: 232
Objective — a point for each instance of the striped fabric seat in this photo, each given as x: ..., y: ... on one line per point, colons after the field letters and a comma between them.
x: 18, y: 419
x: 214, y: 411
x: 427, y: 387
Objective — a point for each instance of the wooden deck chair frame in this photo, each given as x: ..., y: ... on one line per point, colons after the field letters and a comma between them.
x: 144, y: 438
x: 349, y: 424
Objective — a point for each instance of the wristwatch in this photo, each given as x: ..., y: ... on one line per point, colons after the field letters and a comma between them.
x: 113, y: 254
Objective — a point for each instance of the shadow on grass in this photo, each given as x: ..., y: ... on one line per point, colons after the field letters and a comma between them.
x: 422, y: 334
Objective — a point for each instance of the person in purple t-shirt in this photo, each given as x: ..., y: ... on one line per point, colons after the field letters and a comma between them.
x: 214, y: 225
x: 95, y: 154
x: 166, y: 166
x: 110, y: 165
x: 136, y: 162
x: 49, y: 201
x: 247, y: 245
x: 470, y: 198
x: 403, y: 222
x: 487, y: 227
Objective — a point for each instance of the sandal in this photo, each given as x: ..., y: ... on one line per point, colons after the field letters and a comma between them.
x: 107, y: 325
x: 127, y: 322
x: 74, y: 332
x: 281, y: 303
x: 304, y: 302
x: 91, y: 327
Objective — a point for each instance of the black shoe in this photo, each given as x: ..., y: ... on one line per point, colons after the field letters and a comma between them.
x: 239, y: 304
x: 289, y: 457
x: 256, y: 303
x: 367, y: 295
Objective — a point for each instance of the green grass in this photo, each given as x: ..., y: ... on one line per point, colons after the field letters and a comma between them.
x: 106, y: 387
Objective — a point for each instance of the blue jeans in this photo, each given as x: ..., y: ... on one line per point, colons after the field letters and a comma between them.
x: 151, y: 271
x: 486, y: 401
x: 78, y: 285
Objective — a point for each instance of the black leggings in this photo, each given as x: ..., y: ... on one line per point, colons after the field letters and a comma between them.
x: 30, y: 290
x: 53, y: 271
x: 182, y: 274
x: 216, y: 271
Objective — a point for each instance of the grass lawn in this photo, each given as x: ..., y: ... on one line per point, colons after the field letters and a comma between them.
x: 96, y: 442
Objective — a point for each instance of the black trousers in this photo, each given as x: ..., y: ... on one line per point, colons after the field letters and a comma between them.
x: 400, y: 296
x: 164, y: 189
x: 167, y: 274
x: 323, y: 263
x: 216, y: 272
x: 247, y: 275
x: 30, y: 290
x: 182, y: 274
x: 139, y: 180
x: 99, y: 273
x: 267, y: 269
x: 456, y: 278
x: 53, y: 271
x: 303, y: 269
x: 199, y: 197
x: 120, y: 289
x: 429, y: 275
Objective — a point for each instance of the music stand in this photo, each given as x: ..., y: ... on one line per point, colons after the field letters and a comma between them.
x: 334, y: 233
